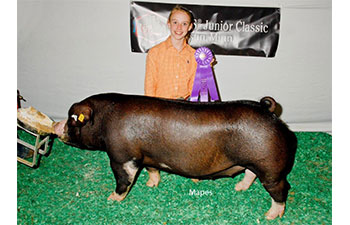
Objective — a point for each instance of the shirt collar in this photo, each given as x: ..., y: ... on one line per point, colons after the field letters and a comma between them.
x: 168, y: 45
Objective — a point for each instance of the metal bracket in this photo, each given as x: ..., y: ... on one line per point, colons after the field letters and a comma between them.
x: 40, y: 141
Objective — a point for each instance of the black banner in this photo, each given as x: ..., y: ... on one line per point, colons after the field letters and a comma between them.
x: 250, y: 31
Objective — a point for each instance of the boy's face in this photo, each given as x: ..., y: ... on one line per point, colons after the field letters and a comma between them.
x: 179, y: 25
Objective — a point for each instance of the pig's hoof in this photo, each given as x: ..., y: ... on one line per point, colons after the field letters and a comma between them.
x: 114, y: 196
x: 152, y: 183
x: 277, y: 209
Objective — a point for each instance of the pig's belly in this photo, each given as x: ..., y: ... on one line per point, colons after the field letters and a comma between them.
x: 186, y: 149
x: 192, y: 162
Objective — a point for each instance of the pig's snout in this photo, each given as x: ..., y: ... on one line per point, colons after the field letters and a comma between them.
x: 59, y: 128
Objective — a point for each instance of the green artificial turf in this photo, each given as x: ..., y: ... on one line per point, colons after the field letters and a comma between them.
x: 71, y: 186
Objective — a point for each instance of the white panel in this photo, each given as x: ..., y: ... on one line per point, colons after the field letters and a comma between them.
x: 68, y: 50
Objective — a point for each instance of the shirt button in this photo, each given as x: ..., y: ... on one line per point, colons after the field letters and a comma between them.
x: 176, y: 88
x: 177, y: 76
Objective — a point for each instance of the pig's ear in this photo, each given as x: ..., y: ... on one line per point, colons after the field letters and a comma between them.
x: 81, y: 116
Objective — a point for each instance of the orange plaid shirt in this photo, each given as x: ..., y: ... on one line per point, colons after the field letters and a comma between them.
x: 170, y: 73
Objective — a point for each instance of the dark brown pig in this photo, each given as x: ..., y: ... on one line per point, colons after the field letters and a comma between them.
x: 195, y: 140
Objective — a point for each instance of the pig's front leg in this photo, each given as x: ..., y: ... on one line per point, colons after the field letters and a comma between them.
x: 154, y: 177
x: 124, y: 174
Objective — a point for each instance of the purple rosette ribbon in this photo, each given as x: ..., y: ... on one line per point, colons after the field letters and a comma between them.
x: 204, y: 82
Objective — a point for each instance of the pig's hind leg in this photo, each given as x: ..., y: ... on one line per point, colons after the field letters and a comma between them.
x: 124, y: 174
x: 248, y: 179
x: 278, y: 191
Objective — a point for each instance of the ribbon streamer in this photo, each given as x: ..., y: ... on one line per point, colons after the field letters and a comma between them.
x: 204, y: 83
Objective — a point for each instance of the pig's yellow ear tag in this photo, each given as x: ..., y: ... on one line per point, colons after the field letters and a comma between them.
x: 81, y: 117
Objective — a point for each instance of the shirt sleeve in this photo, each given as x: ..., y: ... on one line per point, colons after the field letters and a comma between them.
x: 151, y: 71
